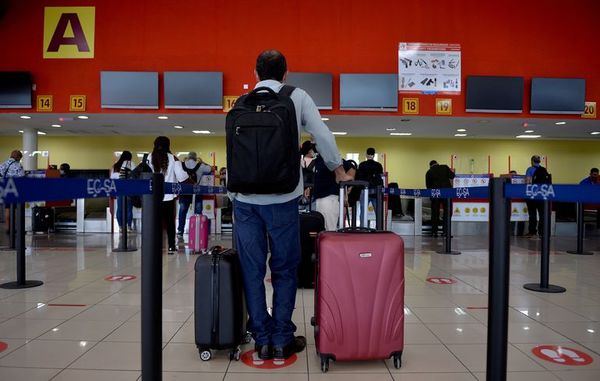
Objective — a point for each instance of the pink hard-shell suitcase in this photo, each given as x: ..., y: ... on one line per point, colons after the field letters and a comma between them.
x: 198, y: 233
x: 359, y: 295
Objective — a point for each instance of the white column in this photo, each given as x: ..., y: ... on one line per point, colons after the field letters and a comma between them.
x: 30, y: 144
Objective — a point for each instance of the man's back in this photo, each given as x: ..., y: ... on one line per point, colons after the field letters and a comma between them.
x: 371, y: 171
x: 439, y: 176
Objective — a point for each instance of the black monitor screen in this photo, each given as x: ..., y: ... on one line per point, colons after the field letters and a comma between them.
x: 129, y: 89
x: 194, y: 90
x: 557, y: 95
x: 376, y: 92
x: 317, y: 85
x: 495, y: 94
x: 15, y: 89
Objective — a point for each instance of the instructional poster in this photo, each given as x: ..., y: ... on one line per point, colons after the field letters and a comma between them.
x: 429, y: 68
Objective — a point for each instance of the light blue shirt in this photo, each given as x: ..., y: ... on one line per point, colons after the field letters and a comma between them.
x: 309, y: 120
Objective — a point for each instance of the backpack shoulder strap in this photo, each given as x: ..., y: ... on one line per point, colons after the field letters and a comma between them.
x: 145, y: 159
x: 287, y: 90
x: 195, y: 169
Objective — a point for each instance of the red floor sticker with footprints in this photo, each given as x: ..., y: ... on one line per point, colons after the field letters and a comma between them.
x: 438, y: 280
x: 562, y: 355
x: 119, y: 278
x: 251, y: 359
x: 3, y: 346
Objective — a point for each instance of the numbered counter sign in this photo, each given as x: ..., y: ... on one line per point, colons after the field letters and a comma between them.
x: 410, y: 106
x: 77, y: 103
x: 589, y: 110
x: 44, y: 103
x: 443, y: 106
x: 228, y: 102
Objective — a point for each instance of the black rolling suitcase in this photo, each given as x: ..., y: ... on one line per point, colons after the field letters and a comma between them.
x: 219, y: 308
x: 311, y: 224
x: 42, y: 219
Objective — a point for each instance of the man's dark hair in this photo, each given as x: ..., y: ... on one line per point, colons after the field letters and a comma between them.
x: 432, y: 162
x: 371, y: 151
x: 594, y: 170
x: 271, y: 64
x: 536, y: 159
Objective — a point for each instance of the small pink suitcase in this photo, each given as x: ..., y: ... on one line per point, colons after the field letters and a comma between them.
x: 359, y: 296
x: 198, y: 233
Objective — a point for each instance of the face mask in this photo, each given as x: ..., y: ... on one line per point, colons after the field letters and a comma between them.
x: 62, y: 172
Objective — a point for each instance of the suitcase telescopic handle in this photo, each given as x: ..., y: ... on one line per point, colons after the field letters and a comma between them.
x: 364, y: 201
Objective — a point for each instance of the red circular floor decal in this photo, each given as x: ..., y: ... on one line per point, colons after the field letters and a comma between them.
x: 251, y: 359
x: 119, y: 278
x: 562, y: 355
x: 438, y: 280
x: 3, y: 346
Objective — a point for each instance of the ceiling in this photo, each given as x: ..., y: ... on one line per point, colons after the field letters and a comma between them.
x: 355, y: 126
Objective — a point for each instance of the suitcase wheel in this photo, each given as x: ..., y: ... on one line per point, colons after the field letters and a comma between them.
x: 313, y: 321
x: 205, y: 355
x: 234, y: 354
x: 398, y: 360
x: 324, y: 363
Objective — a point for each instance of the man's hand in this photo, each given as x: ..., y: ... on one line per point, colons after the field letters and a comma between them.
x: 341, y: 175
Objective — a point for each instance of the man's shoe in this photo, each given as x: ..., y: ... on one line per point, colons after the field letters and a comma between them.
x: 265, y: 352
x: 295, y: 346
x: 172, y: 250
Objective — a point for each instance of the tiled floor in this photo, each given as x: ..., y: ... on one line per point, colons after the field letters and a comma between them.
x: 98, y: 336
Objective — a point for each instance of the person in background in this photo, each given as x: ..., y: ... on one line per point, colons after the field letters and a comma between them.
x: 223, y: 177
x: 326, y: 192
x: 65, y: 170
x: 161, y: 160
x: 11, y: 168
x: 536, y: 174
x: 309, y: 154
x: 120, y: 170
x: 195, y: 168
x: 438, y: 176
x: 371, y: 171
x: 513, y: 172
x: 592, y: 178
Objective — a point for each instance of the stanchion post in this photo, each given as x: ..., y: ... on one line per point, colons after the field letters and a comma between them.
x: 12, y: 226
x: 152, y: 243
x: 448, y: 229
x: 19, y: 226
x: 544, y: 285
x: 499, y: 269
x: 379, y: 208
x: 580, y: 232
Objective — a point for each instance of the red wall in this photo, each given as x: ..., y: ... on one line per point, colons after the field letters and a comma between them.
x: 522, y: 38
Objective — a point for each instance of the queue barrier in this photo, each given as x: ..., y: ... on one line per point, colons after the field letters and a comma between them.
x: 21, y: 190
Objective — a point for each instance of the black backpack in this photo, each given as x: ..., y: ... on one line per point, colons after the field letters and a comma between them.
x: 137, y: 172
x: 541, y: 176
x: 192, y: 172
x: 263, y: 156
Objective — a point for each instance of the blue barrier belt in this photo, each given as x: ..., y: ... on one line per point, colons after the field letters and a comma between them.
x: 23, y: 189
x: 567, y: 193
x: 178, y: 188
x: 464, y: 193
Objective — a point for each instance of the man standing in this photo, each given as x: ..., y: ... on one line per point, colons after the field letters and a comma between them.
x: 371, y: 171
x: 438, y: 176
x: 275, y: 215
x: 195, y: 170
x: 536, y: 174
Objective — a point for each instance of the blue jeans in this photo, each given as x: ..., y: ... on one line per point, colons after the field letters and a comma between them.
x: 129, y: 212
x: 280, y: 222
x: 184, y: 205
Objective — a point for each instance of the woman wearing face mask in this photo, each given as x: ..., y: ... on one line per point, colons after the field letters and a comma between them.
x: 161, y: 160
x: 122, y: 170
